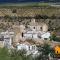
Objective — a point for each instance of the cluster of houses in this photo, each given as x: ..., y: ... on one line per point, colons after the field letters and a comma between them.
x: 34, y: 30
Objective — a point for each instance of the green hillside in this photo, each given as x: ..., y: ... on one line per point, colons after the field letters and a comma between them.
x: 24, y: 4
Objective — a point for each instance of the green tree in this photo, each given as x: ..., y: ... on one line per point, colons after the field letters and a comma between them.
x: 44, y: 51
x: 4, y: 55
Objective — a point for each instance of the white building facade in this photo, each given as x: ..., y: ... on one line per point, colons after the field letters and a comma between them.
x: 36, y: 30
x: 31, y: 49
x: 7, y: 38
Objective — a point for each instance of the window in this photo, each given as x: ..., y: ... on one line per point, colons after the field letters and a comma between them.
x: 45, y: 38
x: 41, y: 28
x: 34, y: 27
x: 29, y: 47
x: 22, y: 34
x: 33, y: 47
x: 1, y: 39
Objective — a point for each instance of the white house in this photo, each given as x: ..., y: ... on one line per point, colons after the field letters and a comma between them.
x: 36, y: 30
x: 46, y: 35
x: 28, y: 47
x: 8, y: 38
x: 36, y: 35
x: 7, y: 41
x: 30, y: 34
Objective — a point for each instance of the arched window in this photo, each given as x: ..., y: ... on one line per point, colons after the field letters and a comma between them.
x: 22, y: 34
x: 41, y: 28
x: 34, y: 27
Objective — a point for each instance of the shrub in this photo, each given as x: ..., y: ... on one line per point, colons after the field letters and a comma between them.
x: 54, y: 38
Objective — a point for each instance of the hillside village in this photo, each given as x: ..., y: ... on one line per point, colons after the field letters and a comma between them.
x: 34, y: 33
x: 27, y: 28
